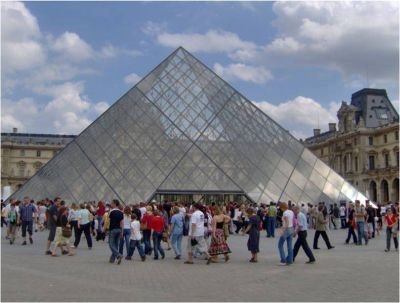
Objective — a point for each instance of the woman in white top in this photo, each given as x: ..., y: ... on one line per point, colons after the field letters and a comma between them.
x: 126, y: 234
x: 42, y: 215
x: 73, y: 215
x: 135, y: 239
x: 83, y: 216
x: 287, y: 235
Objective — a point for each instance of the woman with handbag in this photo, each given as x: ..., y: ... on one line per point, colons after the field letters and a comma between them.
x: 63, y: 233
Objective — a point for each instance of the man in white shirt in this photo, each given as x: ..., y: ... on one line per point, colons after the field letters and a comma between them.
x: 343, y: 216
x: 196, y: 235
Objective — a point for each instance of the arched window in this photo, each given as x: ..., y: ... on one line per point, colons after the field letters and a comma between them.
x: 384, y: 191
x: 372, y: 191
x: 395, y: 188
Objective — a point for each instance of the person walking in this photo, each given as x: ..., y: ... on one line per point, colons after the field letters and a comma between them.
x: 253, y: 243
x: 73, y: 219
x: 146, y: 228
x: 218, y: 244
x: 371, y: 214
x: 60, y: 239
x: 360, y: 215
x: 176, y: 232
x: 116, y: 218
x: 52, y: 215
x: 351, y: 223
x: 287, y: 235
x: 26, y: 212
x: 196, y: 239
x: 157, y: 228
x: 83, y: 227
x: 272, y: 212
x: 391, y: 231
x: 126, y: 233
x: 301, y: 232
x: 13, y: 218
x: 135, y: 239
x: 342, y: 211
x: 320, y: 228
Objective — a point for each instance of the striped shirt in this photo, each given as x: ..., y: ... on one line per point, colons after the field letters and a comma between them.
x: 26, y: 212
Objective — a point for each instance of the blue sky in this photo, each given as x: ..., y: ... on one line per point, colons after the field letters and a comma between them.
x: 64, y: 63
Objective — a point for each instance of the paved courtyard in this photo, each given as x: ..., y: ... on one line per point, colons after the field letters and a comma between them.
x: 346, y: 273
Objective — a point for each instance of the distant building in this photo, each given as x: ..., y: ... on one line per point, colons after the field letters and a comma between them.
x: 365, y: 148
x: 22, y: 155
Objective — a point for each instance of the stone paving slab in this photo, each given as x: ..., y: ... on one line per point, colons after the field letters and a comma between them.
x: 346, y: 273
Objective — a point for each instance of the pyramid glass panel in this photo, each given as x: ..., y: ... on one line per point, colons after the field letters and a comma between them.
x: 184, y: 129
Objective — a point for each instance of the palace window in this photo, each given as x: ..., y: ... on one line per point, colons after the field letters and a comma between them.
x: 386, y: 160
x: 38, y: 153
x: 384, y: 138
x: 371, y: 140
x: 371, y: 162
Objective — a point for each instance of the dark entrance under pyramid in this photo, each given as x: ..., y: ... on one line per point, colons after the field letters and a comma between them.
x: 184, y: 129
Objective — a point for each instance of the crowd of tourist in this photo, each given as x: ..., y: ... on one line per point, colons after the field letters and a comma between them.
x: 149, y: 227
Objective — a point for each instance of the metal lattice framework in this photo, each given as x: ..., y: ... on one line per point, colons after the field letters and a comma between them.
x: 182, y: 128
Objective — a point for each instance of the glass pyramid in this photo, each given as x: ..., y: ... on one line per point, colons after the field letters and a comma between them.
x: 183, y: 129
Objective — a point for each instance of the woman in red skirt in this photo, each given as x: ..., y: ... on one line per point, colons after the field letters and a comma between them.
x: 218, y: 244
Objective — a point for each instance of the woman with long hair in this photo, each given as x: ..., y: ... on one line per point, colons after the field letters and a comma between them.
x: 126, y: 233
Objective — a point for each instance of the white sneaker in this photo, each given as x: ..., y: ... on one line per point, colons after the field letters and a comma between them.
x: 72, y: 246
x: 282, y: 264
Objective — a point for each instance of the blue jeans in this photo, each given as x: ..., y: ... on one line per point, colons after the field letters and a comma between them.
x: 288, y: 237
x: 99, y: 220
x: 146, y: 241
x: 157, y: 237
x: 361, y: 233
x: 135, y: 244
x: 125, y: 237
x: 176, y: 242
x: 271, y: 226
x: 113, y: 243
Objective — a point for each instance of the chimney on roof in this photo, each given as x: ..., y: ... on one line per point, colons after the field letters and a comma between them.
x: 317, y: 131
x: 332, y: 127
x: 15, y: 130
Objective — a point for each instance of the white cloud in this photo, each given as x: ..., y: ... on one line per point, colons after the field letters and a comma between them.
x: 256, y: 74
x: 213, y: 41
x: 111, y: 51
x: 132, y: 79
x: 69, y: 111
x: 72, y: 47
x: 295, y: 115
x: 20, y: 114
x: 21, y: 47
x: 349, y: 37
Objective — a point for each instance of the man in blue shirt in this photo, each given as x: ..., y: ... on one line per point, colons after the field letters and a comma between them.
x: 301, y: 231
x: 26, y: 211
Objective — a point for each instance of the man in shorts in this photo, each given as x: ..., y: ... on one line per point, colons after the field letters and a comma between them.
x: 196, y: 239
x: 52, y: 214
